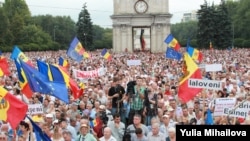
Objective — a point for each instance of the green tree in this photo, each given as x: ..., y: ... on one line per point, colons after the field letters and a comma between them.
x: 107, y: 38
x: 214, y: 26
x: 85, y: 29
x: 206, y: 25
x: 185, y: 31
x: 102, y: 37
x: 223, y: 27
x: 242, y: 20
x: 4, y: 29
x: 62, y: 29
x: 18, y: 15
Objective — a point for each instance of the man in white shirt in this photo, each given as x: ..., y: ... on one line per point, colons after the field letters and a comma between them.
x: 117, y: 127
x: 107, y: 135
x: 155, y: 134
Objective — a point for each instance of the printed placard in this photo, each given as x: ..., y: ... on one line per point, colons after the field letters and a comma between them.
x: 242, y: 110
x: 213, y: 67
x: 221, y: 104
x: 35, y: 109
x: 133, y: 62
x: 206, y: 84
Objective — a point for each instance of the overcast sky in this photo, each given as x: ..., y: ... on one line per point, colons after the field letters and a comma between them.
x: 100, y: 10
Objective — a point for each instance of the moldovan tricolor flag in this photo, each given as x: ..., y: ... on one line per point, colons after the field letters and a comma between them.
x: 172, y: 42
x: 12, y: 110
x: 18, y: 55
x: 190, y: 70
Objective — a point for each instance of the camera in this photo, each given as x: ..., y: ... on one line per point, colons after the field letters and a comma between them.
x: 130, y: 88
x: 127, y: 136
x: 104, y: 117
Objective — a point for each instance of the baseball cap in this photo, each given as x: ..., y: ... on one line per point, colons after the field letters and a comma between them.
x: 166, y: 116
x: 170, y: 109
x: 49, y: 116
x: 56, y: 121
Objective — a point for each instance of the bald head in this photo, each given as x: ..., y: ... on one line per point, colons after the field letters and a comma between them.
x: 107, y: 132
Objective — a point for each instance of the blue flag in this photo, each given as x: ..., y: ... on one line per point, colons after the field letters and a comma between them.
x: 75, y: 50
x: 40, y: 135
x: 51, y: 71
x: 39, y: 83
x: 44, y: 69
x: 15, y: 53
x: 173, y: 54
x: 209, y: 120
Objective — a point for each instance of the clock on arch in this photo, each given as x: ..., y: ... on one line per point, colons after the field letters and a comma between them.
x: 141, y: 6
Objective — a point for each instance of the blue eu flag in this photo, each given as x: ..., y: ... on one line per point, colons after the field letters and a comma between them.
x: 173, y: 54
x: 39, y: 83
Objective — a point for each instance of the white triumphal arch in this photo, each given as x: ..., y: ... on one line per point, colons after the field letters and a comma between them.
x: 140, y: 25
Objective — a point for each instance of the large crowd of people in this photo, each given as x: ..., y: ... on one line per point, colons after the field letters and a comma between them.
x: 137, y: 102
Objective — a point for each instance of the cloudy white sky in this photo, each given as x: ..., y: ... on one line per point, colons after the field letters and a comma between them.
x: 100, y: 10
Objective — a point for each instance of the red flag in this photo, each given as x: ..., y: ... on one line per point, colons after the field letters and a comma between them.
x: 190, y: 70
x: 142, y: 40
x: 12, y: 109
x: 4, y: 67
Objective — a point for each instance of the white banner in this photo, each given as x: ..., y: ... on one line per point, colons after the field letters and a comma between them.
x: 133, y: 62
x: 221, y: 104
x: 202, y: 66
x: 89, y: 74
x: 242, y: 111
x: 35, y: 109
x: 213, y: 67
x: 207, y: 84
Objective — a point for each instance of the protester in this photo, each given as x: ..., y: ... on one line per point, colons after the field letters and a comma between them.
x: 67, y: 136
x: 84, y: 134
x: 117, y: 127
x: 107, y: 135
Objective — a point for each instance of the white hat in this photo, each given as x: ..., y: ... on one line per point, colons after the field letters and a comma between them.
x: 167, y: 116
x: 56, y: 121
x: 49, y: 116
x: 170, y: 109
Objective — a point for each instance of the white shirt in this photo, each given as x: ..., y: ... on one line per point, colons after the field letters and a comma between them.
x: 110, y: 139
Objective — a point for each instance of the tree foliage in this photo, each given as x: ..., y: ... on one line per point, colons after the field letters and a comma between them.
x: 102, y: 37
x: 60, y: 28
x: 47, y: 32
x: 215, y: 25
x: 225, y: 25
x: 186, y: 32
x: 85, y: 28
